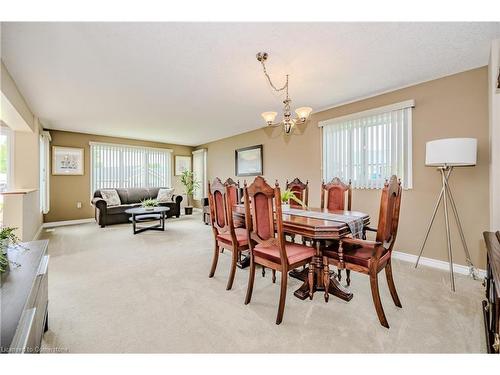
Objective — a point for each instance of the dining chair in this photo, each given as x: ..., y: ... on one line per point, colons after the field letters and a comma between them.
x: 222, y: 198
x: 301, y: 191
x: 371, y: 257
x: 333, y: 198
x: 268, y: 248
x: 333, y: 195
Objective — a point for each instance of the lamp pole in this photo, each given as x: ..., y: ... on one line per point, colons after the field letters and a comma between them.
x: 448, y: 196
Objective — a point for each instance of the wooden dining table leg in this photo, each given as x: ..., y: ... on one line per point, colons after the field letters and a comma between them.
x: 334, y: 287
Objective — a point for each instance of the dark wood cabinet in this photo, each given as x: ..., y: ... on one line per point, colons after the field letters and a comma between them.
x: 491, y: 306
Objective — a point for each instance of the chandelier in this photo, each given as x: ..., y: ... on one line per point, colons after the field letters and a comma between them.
x: 287, y: 122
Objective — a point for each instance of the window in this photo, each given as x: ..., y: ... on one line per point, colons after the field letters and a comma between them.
x: 114, y: 165
x: 6, y: 143
x: 200, y: 172
x: 44, y: 171
x: 370, y: 146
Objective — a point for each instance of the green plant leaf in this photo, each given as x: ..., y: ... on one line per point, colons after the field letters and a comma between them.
x: 288, y: 195
x: 190, y: 184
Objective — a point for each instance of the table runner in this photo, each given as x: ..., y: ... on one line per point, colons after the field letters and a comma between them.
x: 355, y: 223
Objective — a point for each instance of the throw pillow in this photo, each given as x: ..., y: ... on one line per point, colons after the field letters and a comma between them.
x: 165, y: 195
x: 111, y: 197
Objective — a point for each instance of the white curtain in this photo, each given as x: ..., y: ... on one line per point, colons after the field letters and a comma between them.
x: 45, y: 171
x: 369, y: 147
x: 200, y: 172
x: 114, y: 165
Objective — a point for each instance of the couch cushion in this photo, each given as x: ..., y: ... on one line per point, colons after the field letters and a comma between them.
x: 132, y: 195
x: 111, y: 197
x: 165, y: 195
x: 113, y: 210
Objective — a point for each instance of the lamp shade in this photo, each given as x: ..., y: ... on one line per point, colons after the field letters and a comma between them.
x: 303, y: 112
x: 451, y: 152
x: 269, y: 116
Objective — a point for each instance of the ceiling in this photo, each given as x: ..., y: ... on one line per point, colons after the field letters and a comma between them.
x: 190, y: 83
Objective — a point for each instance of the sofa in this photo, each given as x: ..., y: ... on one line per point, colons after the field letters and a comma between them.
x: 129, y: 197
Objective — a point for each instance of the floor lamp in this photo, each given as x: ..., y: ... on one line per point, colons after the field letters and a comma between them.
x: 445, y: 154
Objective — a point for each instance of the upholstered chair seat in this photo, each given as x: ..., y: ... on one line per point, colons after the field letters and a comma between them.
x: 241, y: 237
x: 295, y: 252
x: 355, y: 254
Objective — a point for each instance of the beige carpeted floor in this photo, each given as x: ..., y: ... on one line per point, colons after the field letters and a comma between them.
x: 111, y: 291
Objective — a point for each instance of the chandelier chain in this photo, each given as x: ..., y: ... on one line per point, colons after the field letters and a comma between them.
x: 285, y: 86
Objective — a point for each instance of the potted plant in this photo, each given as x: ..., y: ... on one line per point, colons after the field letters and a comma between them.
x: 285, y: 199
x: 149, y: 204
x: 7, y: 237
x: 191, y: 185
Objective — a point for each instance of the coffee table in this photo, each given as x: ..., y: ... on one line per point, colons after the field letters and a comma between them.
x: 141, y: 215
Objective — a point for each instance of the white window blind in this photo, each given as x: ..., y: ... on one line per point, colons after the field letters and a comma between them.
x: 200, y: 172
x: 370, y: 146
x: 123, y: 166
x: 44, y: 172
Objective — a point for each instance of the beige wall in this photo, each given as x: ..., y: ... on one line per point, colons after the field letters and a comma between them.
x: 453, y: 106
x: 26, y: 163
x: 66, y: 191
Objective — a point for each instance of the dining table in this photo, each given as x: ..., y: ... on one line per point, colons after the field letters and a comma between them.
x: 318, y: 226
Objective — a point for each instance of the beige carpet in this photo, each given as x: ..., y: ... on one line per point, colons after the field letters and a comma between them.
x: 111, y: 291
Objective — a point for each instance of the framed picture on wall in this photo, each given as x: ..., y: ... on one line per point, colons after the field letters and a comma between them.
x: 182, y: 163
x: 67, y: 161
x: 248, y: 161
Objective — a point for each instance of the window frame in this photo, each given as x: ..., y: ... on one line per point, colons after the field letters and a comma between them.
x: 44, y: 189
x: 10, y: 154
x: 388, y: 109
x: 122, y: 145
x: 203, y: 182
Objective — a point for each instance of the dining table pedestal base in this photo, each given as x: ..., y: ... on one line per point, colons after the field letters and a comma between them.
x: 244, y: 262
x: 335, y: 288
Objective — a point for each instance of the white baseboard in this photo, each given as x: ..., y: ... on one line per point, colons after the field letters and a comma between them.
x: 434, y: 263
x: 67, y: 222
x: 38, y: 233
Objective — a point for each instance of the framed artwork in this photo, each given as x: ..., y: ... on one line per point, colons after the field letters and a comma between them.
x: 67, y: 161
x: 182, y: 163
x: 248, y: 161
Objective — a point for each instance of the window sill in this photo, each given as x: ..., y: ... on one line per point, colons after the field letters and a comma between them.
x: 19, y: 191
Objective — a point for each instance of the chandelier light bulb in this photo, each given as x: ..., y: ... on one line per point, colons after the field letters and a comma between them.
x: 303, y: 113
x: 269, y: 117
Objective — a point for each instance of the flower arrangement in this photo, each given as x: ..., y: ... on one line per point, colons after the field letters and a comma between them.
x: 288, y: 195
x: 149, y: 204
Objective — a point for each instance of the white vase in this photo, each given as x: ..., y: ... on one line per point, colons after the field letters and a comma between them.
x: 285, y: 206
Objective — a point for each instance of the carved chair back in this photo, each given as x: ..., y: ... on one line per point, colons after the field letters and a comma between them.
x: 335, y: 192
x: 300, y: 190
x: 264, y: 226
x: 388, y: 220
x: 220, y: 211
x: 233, y: 191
